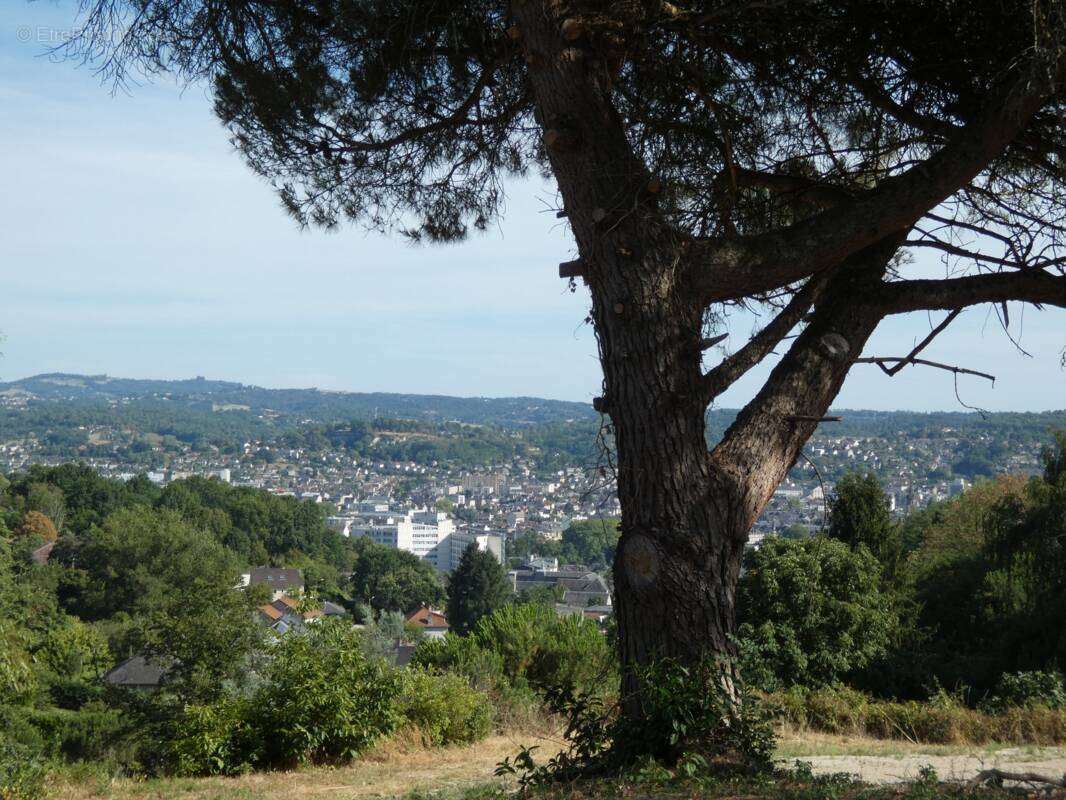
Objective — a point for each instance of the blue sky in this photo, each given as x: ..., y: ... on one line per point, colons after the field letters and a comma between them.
x: 136, y: 243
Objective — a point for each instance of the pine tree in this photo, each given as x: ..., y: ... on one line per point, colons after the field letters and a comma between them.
x: 859, y: 515
x: 709, y: 156
x: 477, y: 587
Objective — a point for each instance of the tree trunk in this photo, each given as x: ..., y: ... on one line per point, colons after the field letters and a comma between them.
x: 686, y: 512
x: 681, y: 535
x: 683, y: 526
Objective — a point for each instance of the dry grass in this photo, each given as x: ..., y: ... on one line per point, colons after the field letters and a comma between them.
x: 393, y: 769
x: 946, y: 721
x: 402, y: 766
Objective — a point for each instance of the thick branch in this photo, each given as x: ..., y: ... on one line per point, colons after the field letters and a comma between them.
x: 823, y: 194
x: 759, y: 346
x: 724, y: 270
x: 948, y: 294
x: 769, y: 433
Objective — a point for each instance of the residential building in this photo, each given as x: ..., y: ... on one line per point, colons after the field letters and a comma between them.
x: 279, y: 580
x: 432, y: 622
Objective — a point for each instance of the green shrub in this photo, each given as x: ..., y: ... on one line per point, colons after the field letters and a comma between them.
x: 462, y: 655
x: 811, y: 612
x: 697, y: 711
x: 518, y: 652
x: 22, y: 772
x: 534, y: 643
x: 91, y: 733
x: 444, y: 708
x: 323, y: 700
x: 690, y: 716
x: 1028, y: 690
x: 208, y: 740
x: 73, y: 693
x: 18, y: 730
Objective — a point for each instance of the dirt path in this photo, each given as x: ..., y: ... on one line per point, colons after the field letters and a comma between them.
x: 950, y: 767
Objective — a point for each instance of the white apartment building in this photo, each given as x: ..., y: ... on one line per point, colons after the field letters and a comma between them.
x: 416, y: 531
x: 430, y: 535
x: 452, y: 549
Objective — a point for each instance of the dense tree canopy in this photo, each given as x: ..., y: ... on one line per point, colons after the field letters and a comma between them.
x: 140, y: 560
x: 476, y: 588
x: 389, y: 579
x: 859, y: 515
x: 812, y: 612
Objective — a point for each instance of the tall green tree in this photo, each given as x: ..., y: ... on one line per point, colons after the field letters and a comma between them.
x: 707, y: 155
x: 140, y: 561
x: 476, y: 588
x: 1024, y: 590
x: 859, y: 515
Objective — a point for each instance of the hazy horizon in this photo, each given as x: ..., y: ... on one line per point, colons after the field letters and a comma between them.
x: 719, y: 406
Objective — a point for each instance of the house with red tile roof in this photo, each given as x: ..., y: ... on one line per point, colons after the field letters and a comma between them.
x: 432, y: 622
x: 283, y: 614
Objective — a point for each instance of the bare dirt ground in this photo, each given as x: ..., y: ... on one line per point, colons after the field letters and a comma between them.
x: 889, y: 761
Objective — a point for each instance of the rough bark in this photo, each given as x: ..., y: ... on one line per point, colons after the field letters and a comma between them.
x: 678, y: 557
x: 686, y: 512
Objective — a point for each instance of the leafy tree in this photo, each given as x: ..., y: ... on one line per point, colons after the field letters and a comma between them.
x: 543, y: 595
x: 477, y: 587
x: 394, y: 580
x: 812, y: 612
x: 526, y: 644
x: 18, y: 682
x: 208, y: 640
x: 75, y: 650
x: 796, y: 532
x: 707, y: 157
x: 1024, y: 590
x: 140, y: 561
x: 87, y: 496
x: 948, y: 573
x: 859, y: 515
x: 36, y: 525
x: 591, y: 542
x: 48, y: 500
x: 256, y: 524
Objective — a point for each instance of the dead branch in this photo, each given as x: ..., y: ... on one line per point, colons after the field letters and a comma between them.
x: 999, y: 775
x: 909, y: 359
x: 884, y: 361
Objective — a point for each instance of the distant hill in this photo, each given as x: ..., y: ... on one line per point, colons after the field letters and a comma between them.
x: 305, y: 405
x: 300, y: 406
x: 145, y: 422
